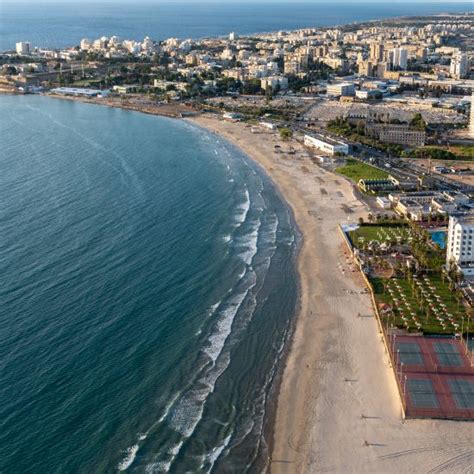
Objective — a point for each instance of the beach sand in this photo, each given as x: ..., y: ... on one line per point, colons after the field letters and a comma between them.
x: 338, y: 408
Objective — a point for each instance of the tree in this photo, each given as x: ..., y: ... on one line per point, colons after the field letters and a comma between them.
x: 10, y: 71
x: 285, y: 133
x: 418, y: 122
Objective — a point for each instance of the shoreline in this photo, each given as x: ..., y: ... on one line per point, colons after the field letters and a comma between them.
x: 334, y: 402
x: 335, y: 405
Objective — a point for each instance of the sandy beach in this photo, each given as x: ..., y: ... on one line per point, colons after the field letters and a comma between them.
x: 338, y: 408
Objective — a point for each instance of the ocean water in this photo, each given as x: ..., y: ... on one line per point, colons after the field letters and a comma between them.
x: 56, y: 24
x: 148, y: 287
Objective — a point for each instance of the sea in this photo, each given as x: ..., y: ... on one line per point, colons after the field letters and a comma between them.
x: 148, y: 287
x: 50, y: 23
x: 148, y: 290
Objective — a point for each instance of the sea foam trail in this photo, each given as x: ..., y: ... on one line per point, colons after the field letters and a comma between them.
x: 243, y: 209
x: 129, y: 458
x: 189, y: 409
x: 213, y: 456
x: 249, y: 242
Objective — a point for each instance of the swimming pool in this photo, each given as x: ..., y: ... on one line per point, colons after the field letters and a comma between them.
x: 439, y: 237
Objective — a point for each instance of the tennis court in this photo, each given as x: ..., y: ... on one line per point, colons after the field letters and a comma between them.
x: 435, y: 376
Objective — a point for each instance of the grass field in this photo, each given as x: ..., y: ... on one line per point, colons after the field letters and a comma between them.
x: 401, y: 294
x: 460, y: 152
x: 355, y: 170
x: 428, y: 324
x: 465, y: 152
x: 380, y: 233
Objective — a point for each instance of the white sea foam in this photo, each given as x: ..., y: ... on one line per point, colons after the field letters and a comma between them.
x: 223, y: 327
x: 188, y: 411
x: 249, y: 241
x: 168, y: 407
x: 129, y: 458
x: 227, y: 238
x: 213, y: 456
x: 243, y: 209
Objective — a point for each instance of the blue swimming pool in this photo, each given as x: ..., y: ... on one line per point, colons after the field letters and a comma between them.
x: 439, y: 237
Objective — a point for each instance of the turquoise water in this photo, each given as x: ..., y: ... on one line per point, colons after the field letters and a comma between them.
x: 439, y: 237
x: 147, y: 291
x: 55, y: 23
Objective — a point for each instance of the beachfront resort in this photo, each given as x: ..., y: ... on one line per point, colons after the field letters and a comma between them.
x: 423, y: 314
x: 368, y: 129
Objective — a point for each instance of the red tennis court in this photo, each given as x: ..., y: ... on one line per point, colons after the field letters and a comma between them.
x: 435, y: 376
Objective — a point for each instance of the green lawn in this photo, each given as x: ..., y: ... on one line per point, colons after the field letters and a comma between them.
x: 443, y: 153
x: 380, y: 233
x: 428, y: 324
x: 355, y: 170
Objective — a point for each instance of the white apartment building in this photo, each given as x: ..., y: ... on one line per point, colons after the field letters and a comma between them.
x: 460, y: 243
x: 227, y: 54
x: 399, y: 58
x: 23, y: 47
x: 341, y: 89
x: 326, y: 144
x: 85, y: 44
x: 273, y: 82
x: 459, y: 67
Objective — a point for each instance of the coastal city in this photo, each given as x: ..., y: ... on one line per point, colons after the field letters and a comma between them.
x: 368, y: 131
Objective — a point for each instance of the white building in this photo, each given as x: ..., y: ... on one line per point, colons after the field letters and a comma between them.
x: 227, y: 54
x: 147, y: 44
x: 23, y: 48
x: 383, y: 202
x: 459, y: 67
x: 85, y: 44
x: 341, y: 89
x: 399, y: 58
x: 274, y: 82
x: 460, y: 244
x: 326, y: 144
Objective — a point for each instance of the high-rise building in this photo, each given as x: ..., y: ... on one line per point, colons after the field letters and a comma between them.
x: 398, y: 58
x: 366, y: 68
x: 381, y: 69
x: 376, y: 52
x: 459, y: 67
x: 23, y: 48
x: 460, y: 244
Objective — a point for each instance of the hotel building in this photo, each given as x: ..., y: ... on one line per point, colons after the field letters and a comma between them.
x: 460, y: 245
x: 326, y: 144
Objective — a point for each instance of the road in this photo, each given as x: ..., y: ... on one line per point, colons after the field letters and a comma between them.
x: 397, y: 167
